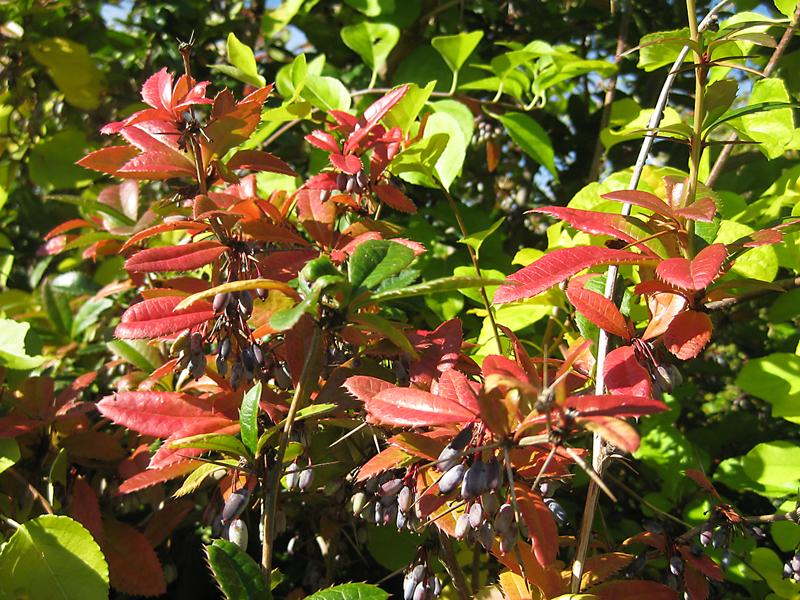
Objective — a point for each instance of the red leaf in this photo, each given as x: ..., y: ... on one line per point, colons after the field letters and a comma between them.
x: 427, y: 445
x: 316, y: 216
x: 454, y: 386
x: 155, y: 317
x: 323, y: 140
x: 701, y: 210
x: 132, y: 563
x: 258, y: 160
x: 157, y: 164
x: 264, y: 231
x: 643, y: 199
x: 85, y: 508
x: 144, y: 234
x: 624, y: 375
x: 558, y: 266
x: 615, y: 406
x: 663, y: 309
x: 602, y: 567
x: 688, y: 334
x: 439, y: 351
x: 540, y: 523
x: 165, y: 521
x: 700, y: 479
x: 108, y: 160
x: 159, y: 414
x: 495, y: 364
x: 634, y: 590
x: 389, y: 194
x: 364, y: 387
x: 696, y: 584
x: 175, y: 258
x: 702, y: 563
x: 372, y: 116
x: 696, y: 274
x: 411, y: 407
x: 591, y: 221
x: 151, y: 477
x: 67, y: 226
x: 349, y: 163
x: 390, y: 458
x: 597, y: 308
x: 94, y: 445
x: 614, y: 431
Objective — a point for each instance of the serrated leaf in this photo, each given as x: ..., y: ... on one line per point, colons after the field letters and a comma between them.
x: 238, y: 575
x: 134, y: 567
x: 219, y: 442
x: 412, y: 407
x: 198, y: 476
x: 184, y: 257
x: 156, y: 317
x: 248, y: 417
x: 688, y: 334
x: 558, y: 266
x: 53, y: 557
x: 696, y: 274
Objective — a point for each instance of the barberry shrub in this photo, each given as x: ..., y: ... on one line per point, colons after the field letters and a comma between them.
x: 272, y: 382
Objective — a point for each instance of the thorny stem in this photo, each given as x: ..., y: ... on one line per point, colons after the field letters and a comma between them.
x: 792, y: 516
x: 448, y: 556
x: 598, y: 447
x: 474, y: 258
x: 725, y: 153
x: 270, y: 492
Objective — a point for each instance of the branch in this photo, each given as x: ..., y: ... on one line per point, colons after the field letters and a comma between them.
x: 786, y: 284
x: 725, y: 153
x: 598, y: 448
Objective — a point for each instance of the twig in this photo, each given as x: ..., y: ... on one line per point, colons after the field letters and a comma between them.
x: 792, y: 516
x: 474, y: 257
x: 598, y: 449
x: 450, y: 561
x: 625, y: 19
x: 48, y: 508
x: 786, y: 284
x: 725, y: 153
x: 270, y: 493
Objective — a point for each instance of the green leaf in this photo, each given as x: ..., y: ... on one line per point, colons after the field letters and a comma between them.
x: 661, y: 48
x: 475, y: 240
x: 350, y: 591
x: 227, y: 444
x: 759, y: 263
x: 774, y: 464
x: 72, y: 69
x: 12, y: 346
x: 375, y: 260
x: 276, y: 19
x: 52, y: 161
x: 456, y: 49
x: 53, y: 557
x: 196, y: 478
x: 404, y: 113
x: 373, y: 42
x: 530, y: 136
x: 378, y: 324
x: 462, y: 115
x: 88, y: 314
x: 137, y: 352
x: 503, y: 64
x: 9, y: 453
x: 243, y: 63
x: 448, y: 165
x: 238, y: 575
x: 373, y: 8
x: 786, y: 7
x: 443, y: 284
x: 248, y: 417
x: 773, y: 131
x: 326, y: 93
x: 719, y: 97
x: 776, y: 380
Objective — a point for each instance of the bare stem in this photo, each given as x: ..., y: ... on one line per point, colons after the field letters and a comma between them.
x: 450, y: 561
x: 474, y: 257
x: 270, y: 492
x: 598, y: 447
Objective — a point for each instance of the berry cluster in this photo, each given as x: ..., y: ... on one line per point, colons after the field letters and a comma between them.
x: 791, y: 568
x: 420, y: 583
x: 388, y: 498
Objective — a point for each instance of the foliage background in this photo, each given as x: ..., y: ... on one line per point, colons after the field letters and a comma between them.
x: 70, y: 67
